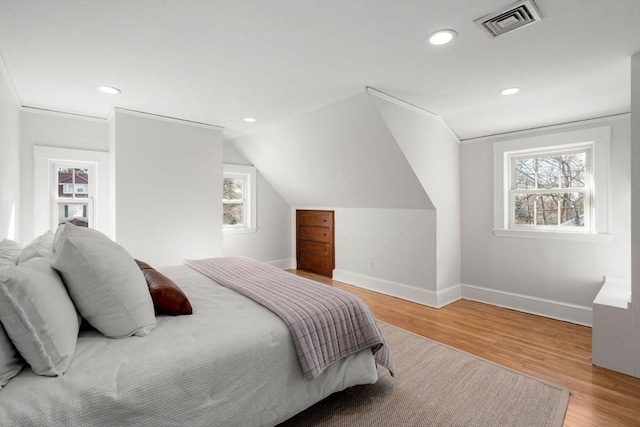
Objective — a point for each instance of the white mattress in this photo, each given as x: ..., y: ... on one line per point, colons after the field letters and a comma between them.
x: 231, y: 363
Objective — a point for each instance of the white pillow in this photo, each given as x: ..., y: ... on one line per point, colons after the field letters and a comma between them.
x: 38, y: 316
x: 6, y: 263
x: 42, y: 246
x: 9, y: 251
x: 106, y: 285
x: 10, y: 361
x: 57, y: 237
x: 67, y: 230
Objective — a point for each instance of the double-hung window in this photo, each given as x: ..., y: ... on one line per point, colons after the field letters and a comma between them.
x: 554, y: 185
x: 72, y: 186
x: 239, y: 199
x: 72, y: 200
x: 551, y: 190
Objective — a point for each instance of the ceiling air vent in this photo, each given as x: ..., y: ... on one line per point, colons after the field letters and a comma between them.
x: 513, y: 17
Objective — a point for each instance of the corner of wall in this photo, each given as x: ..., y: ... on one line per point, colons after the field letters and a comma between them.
x: 4, y: 72
x: 426, y: 297
x: 449, y: 295
x: 10, y: 182
x: 112, y: 174
x: 388, y: 287
x: 432, y: 150
x: 635, y: 204
x: 287, y: 263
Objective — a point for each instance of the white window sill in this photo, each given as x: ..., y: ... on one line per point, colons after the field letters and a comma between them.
x: 238, y: 230
x: 554, y: 235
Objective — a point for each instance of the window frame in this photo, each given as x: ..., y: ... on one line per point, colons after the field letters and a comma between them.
x: 100, y: 186
x: 56, y: 201
x: 595, y: 141
x: 249, y: 177
x: 514, y: 156
x: 55, y: 209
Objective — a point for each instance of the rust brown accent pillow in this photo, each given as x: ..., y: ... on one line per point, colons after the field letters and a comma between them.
x: 167, y: 297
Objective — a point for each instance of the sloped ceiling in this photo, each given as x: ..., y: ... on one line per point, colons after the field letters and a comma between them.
x: 219, y: 61
x: 342, y: 155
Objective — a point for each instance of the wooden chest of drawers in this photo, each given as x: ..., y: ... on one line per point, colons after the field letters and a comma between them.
x: 314, y: 241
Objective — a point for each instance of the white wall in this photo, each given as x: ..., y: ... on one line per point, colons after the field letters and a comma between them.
x: 272, y: 241
x: 432, y: 150
x: 401, y: 244
x: 168, y: 188
x: 51, y: 130
x: 342, y: 155
x: 550, y: 277
x: 366, y: 161
x: 9, y: 161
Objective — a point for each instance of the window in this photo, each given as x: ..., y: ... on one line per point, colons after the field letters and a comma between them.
x: 234, y: 200
x: 239, y: 199
x: 553, y: 186
x: 71, y: 186
x: 72, y: 199
x: 550, y: 190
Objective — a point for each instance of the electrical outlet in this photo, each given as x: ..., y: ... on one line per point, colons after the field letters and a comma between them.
x: 370, y: 265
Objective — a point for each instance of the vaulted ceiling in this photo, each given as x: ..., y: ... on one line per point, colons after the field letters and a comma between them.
x: 342, y: 155
x: 217, y: 62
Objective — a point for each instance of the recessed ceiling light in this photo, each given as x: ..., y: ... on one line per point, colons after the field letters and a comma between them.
x: 509, y: 91
x: 249, y: 119
x: 110, y: 90
x: 441, y: 37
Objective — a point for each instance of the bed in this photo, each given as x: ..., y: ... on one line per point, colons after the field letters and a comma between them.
x: 231, y: 363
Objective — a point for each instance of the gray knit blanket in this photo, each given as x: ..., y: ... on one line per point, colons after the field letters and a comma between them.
x: 326, y: 323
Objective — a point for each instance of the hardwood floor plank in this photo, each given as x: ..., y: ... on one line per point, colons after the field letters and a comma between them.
x: 550, y: 350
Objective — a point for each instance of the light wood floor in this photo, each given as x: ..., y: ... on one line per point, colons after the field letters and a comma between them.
x: 554, y: 351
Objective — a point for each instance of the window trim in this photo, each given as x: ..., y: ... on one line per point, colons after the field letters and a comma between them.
x: 513, y: 156
x: 99, y: 187
x: 249, y: 174
x: 598, y: 140
x: 56, y: 201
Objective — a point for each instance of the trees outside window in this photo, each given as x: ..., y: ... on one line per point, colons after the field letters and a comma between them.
x: 553, y: 184
x: 550, y: 189
x: 233, y: 201
x: 239, y: 199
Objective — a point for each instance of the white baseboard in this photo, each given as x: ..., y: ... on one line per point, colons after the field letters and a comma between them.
x: 400, y: 290
x: 573, y: 313
x: 558, y: 310
x: 448, y: 295
x: 283, y: 263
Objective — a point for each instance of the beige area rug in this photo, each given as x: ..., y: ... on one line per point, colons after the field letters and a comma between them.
x: 436, y: 385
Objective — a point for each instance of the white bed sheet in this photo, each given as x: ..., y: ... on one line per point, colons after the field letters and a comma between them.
x: 231, y: 363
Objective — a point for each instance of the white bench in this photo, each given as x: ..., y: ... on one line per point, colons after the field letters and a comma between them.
x: 613, y: 327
